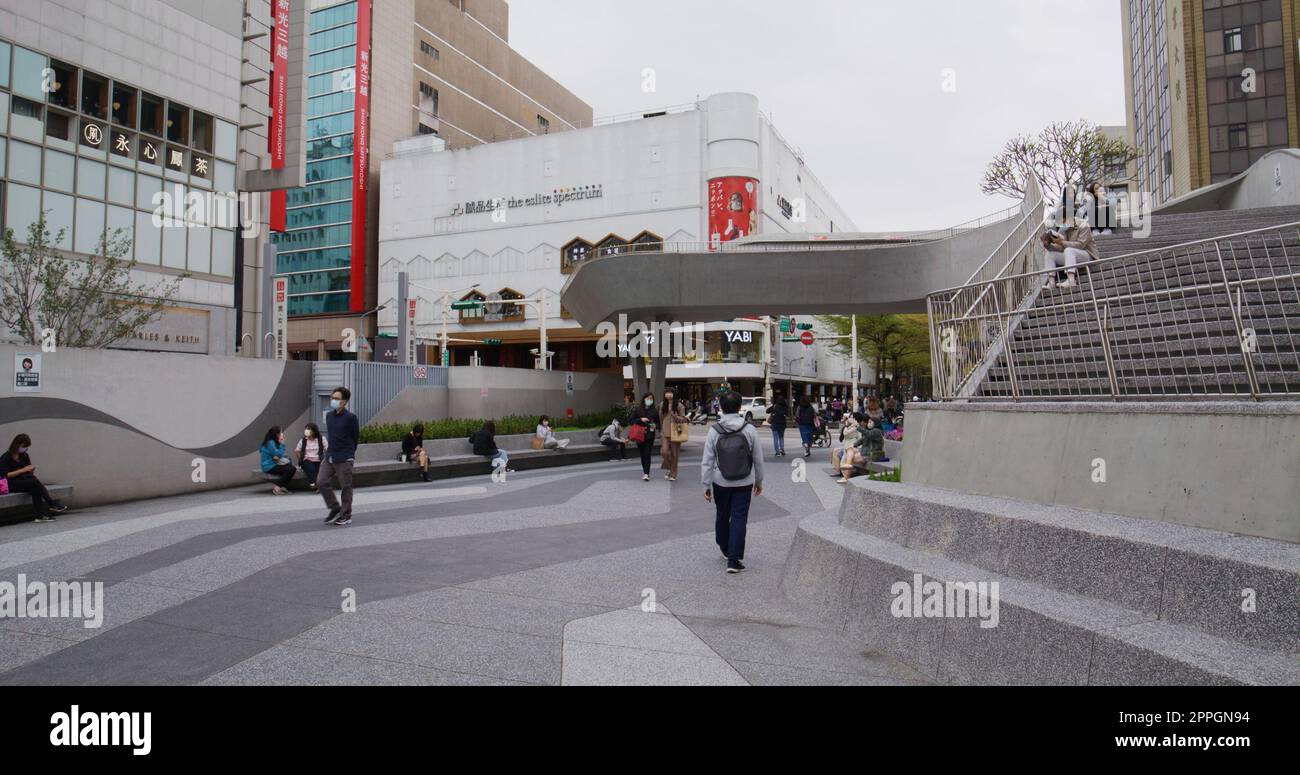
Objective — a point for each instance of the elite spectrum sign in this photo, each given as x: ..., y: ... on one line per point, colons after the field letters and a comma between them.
x: 557, y: 197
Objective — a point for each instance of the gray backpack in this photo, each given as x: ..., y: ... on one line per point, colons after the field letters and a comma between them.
x: 735, y: 456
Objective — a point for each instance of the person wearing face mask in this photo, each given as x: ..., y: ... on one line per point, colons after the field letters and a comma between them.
x: 547, y: 436
x: 17, y: 469
x: 642, y: 422
x: 275, y: 461
x: 342, y: 431
x: 310, y: 450
x: 673, y: 413
x: 413, y: 450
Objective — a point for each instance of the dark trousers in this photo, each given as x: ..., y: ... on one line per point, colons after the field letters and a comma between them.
x: 646, y: 448
x: 311, y: 469
x: 282, y: 474
x: 41, y: 500
x: 342, y: 472
x: 732, y: 504
x: 622, y: 448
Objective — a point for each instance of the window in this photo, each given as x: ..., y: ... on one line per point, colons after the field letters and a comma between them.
x: 1237, y: 136
x: 124, y: 99
x: 474, y: 315
x: 1232, y: 40
x: 58, y: 170
x: 94, y: 95
x: 58, y: 127
x: 430, y: 50
x: 29, y: 74
x: 426, y: 130
x: 428, y: 99
x: 27, y: 120
x: 543, y: 124
x: 647, y: 242
x: 151, y: 115
x: 508, y: 312
x: 574, y: 253
x: 178, y: 123
x: 63, y: 88
x: 612, y: 245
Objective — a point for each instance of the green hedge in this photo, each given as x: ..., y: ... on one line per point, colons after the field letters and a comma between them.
x: 506, y: 426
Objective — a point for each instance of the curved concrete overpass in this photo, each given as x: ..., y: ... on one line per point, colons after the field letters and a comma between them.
x: 805, y: 277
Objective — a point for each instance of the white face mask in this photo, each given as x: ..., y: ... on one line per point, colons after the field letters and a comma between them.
x: 649, y: 402
x: 335, y: 404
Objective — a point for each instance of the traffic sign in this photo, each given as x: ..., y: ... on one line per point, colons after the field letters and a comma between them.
x: 805, y: 326
x: 789, y: 339
x: 491, y: 342
x: 786, y: 325
x: 806, y: 337
x: 468, y: 304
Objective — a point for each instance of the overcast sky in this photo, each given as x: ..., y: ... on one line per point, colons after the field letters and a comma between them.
x: 854, y: 84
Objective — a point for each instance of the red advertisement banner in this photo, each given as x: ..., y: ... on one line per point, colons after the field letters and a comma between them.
x: 733, y: 209
x: 279, y: 82
x: 360, y: 158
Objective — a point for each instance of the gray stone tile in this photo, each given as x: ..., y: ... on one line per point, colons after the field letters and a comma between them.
x: 292, y: 666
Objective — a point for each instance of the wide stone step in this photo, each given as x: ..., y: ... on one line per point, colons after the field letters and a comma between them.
x: 1042, y: 635
x: 1221, y: 386
x: 1165, y: 321
x: 1071, y: 350
x: 1258, y: 306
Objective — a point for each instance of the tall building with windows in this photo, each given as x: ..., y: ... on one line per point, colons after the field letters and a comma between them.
x: 378, y: 73
x: 130, y: 120
x: 1210, y: 87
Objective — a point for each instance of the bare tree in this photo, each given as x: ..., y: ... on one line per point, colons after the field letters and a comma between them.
x: 1062, y: 153
x: 85, y: 302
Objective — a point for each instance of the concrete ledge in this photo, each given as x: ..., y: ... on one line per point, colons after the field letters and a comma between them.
x: 1225, y: 466
x: 17, y: 506
x: 1042, y: 636
x: 1177, y: 574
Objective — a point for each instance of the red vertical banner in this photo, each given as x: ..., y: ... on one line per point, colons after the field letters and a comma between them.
x: 733, y: 209
x: 279, y: 96
x: 360, y: 158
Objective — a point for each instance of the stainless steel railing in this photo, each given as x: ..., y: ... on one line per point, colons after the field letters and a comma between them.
x: 1213, y: 318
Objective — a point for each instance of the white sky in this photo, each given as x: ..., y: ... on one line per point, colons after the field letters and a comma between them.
x: 854, y: 84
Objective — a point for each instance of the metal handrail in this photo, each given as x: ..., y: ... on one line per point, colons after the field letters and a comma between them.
x: 1153, y: 285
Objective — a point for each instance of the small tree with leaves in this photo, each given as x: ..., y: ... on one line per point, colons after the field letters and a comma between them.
x: 84, y: 302
x: 1062, y: 153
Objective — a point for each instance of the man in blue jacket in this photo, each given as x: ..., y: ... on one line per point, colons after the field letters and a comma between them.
x: 342, y: 430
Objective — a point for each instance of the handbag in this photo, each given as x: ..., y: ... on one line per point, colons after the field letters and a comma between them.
x: 679, y: 433
x: 636, y: 433
x: 538, y: 443
x: 4, y: 485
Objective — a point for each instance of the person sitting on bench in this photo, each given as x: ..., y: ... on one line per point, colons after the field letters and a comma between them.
x: 547, y: 436
x: 484, y: 441
x: 413, y: 450
x: 16, y: 467
x: 275, y: 462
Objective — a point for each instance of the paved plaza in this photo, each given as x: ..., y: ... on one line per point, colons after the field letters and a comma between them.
x: 544, y: 579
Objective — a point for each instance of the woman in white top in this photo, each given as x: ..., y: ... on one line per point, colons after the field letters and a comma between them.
x: 311, y: 450
x: 547, y: 435
x: 848, y: 438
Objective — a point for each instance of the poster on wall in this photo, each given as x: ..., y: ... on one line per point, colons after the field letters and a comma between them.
x: 733, y: 209
x: 281, y: 322
x: 361, y: 159
x: 27, y: 372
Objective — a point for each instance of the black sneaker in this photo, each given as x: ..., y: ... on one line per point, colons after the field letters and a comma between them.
x: 58, y: 508
x: 343, y: 522
x: 424, y: 475
x: 333, y: 515
x: 44, y: 518
x: 735, y: 566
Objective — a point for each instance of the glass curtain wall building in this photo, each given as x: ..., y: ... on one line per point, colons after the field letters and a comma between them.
x: 315, y: 250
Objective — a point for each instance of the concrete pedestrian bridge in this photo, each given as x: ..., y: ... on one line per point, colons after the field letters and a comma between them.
x: 829, y: 274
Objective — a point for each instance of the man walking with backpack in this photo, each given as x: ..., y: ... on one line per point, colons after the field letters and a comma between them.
x: 732, y: 473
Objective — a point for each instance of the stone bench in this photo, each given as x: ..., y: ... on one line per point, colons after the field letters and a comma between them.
x: 17, y: 506
x: 450, y: 458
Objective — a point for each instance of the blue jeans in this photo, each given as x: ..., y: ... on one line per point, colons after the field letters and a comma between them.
x: 732, y: 504
x: 806, y: 433
x: 778, y: 439
x: 500, y: 459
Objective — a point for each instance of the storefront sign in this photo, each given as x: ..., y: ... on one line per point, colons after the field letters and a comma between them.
x: 410, y: 329
x: 279, y: 97
x: 733, y: 209
x: 281, y: 324
x: 739, y: 336
x: 177, y: 330
x: 27, y: 372
x: 556, y: 198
